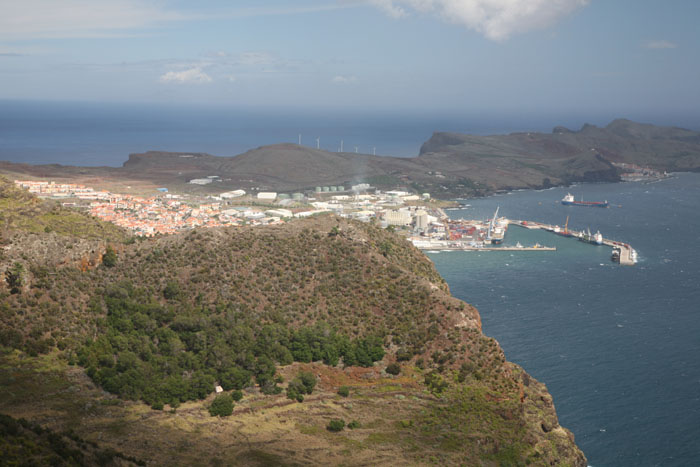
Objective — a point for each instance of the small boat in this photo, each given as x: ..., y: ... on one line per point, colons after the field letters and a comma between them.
x: 615, y: 258
x: 569, y: 200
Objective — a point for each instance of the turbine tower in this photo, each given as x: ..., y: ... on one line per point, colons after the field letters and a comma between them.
x: 299, y: 139
x: 318, y: 143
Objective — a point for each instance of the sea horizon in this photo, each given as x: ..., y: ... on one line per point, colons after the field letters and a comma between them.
x: 104, y: 134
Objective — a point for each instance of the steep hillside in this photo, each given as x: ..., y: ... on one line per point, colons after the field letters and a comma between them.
x: 308, y: 327
x: 522, y: 160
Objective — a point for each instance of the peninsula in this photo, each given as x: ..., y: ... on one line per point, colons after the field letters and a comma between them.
x: 449, y: 165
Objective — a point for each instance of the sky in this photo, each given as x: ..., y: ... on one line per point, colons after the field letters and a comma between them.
x: 617, y: 57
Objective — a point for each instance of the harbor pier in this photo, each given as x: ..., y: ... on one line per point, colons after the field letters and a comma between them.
x: 627, y: 254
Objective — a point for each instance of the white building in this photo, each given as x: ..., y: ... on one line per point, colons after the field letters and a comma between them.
x: 253, y: 215
x: 267, y: 195
x: 397, y: 193
x: 200, y: 181
x: 279, y: 213
x: 397, y: 217
x: 360, y: 187
x: 232, y: 194
x: 421, y: 219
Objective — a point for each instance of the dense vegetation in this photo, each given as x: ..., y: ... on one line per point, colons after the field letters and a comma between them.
x: 175, y: 352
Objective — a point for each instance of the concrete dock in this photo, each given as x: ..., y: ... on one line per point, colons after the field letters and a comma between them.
x: 628, y: 256
x: 491, y: 248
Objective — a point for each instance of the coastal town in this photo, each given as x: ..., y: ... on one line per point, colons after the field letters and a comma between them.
x: 167, y: 213
x: 417, y: 217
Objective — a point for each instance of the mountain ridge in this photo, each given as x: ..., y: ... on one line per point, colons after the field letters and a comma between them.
x: 448, y: 165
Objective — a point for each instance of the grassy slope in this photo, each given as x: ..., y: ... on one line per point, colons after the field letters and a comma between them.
x: 462, y: 403
x: 20, y: 211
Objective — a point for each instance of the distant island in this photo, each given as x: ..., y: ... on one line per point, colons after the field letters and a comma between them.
x: 449, y: 165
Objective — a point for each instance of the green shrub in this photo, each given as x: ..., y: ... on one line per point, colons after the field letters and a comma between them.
x: 157, y: 405
x: 344, y: 391
x: 14, y: 277
x: 337, y: 424
x: 109, y: 259
x: 354, y: 424
x: 237, y: 395
x: 308, y: 380
x: 393, y: 369
x: 222, y: 406
x: 171, y: 290
x: 303, y: 383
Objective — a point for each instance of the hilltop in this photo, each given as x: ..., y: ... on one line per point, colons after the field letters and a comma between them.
x: 125, y: 353
x: 449, y: 164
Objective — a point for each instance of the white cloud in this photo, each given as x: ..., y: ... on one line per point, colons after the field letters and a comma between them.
x: 192, y: 75
x: 660, y: 45
x: 495, y: 19
x: 340, y: 79
x: 35, y: 19
x: 50, y: 19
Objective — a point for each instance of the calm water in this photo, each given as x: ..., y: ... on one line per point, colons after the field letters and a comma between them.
x: 618, y: 347
x: 105, y: 134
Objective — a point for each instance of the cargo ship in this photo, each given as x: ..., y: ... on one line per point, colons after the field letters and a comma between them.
x: 497, y: 229
x: 569, y: 200
x: 595, y: 239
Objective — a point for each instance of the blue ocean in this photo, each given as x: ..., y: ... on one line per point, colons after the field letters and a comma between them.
x: 70, y: 133
x: 618, y: 347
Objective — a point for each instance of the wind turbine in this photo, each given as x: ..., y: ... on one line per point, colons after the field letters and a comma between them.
x: 374, y: 151
x: 318, y: 143
x: 341, y: 145
x: 299, y: 139
x: 356, y: 149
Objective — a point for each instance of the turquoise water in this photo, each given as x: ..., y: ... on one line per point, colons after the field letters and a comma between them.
x: 618, y: 347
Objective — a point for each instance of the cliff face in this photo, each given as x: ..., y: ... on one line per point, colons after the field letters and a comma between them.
x: 353, y: 304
